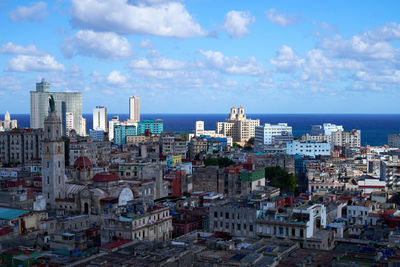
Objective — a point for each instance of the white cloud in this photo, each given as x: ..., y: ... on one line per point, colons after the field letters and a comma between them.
x: 9, y: 83
x: 36, y: 12
x: 317, y: 68
x: 389, y: 32
x: 146, y: 44
x: 161, y: 18
x: 286, y: 60
x: 25, y: 63
x: 115, y: 77
x: 233, y: 65
x: 236, y: 23
x: 278, y: 18
x: 156, y: 67
x: 10, y: 48
x: 106, y: 45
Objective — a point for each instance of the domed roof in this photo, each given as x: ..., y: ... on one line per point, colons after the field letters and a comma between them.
x: 82, y: 163
x: 105, y: 177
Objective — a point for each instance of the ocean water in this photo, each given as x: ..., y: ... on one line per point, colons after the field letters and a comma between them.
x: 374, y: 127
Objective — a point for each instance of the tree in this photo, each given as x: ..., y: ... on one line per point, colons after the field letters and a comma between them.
x: 251, y: 141
x: 221, y: 162
x: 278, y: 177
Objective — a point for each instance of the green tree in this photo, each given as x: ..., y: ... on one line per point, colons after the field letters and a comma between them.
x: 221, y: 162
x: 251, y: 141
x: 278, y: 177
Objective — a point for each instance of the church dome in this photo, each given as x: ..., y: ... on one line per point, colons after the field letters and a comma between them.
x: 82, y: 163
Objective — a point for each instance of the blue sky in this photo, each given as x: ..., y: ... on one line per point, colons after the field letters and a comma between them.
x: 204, y: 56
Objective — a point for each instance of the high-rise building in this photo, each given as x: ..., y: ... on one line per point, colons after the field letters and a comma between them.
x: 114, y: 121
x: 134, y: 108
x: 53, y: 160
x: 69, y: 122
x: 350, y: 138
x: 153, y: 126
x: 238, y: 126
x: 7, y: 123
x: 394, y: 140
x: 100, y: 118
x: 64, y: 102
x: 269, y: 134
x: 83, y: 133
x: 122, y: 131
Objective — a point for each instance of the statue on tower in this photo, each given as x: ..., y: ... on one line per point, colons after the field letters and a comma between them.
x: 52, y: 104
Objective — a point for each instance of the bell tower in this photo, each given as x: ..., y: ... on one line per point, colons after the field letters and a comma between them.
x: 53, y: 159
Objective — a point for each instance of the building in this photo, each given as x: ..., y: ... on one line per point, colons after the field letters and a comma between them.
x: 7, y: 123
x: 346, y: 138
x: 172, y: 145
x: 115, y: 120
x: 329, y: 128
x: 394, y: 140
x: 238, y: 126
x: 100, y: 118
x: 197, y: 145
x: 134, y: 108
x: 311, y: 149
x: 122, y: 131
x: 20, y: 146
x: 152, y: 126
x: 97, y: 135
x: 83, y: 133
x: 53, y: 161
x: 69, y: 122
x: 64, y: 102
x: 268, y: 135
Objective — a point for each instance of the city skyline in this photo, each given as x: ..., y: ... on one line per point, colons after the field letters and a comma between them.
x: 203, y: 56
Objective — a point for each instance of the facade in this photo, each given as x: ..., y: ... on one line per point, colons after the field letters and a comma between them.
x: 7, y: 123
x: 269, y: 135
x: 197, y: 145
x: 20, y: 146
x: 100, y: 118
x: 122, y: 131
x: 64, y: 102
x: 134, y: 108
x: 69, y: 122
x: 97, y: 135
x: 53, y: 161
x: 238, y: 126
x: 394, y: 140
x: 345, y: 138
x: 172, y: 145
x: 83, y: 133
x: 311, y: 149
x: 115, y: 120
x: 329, y: 128
x: 154, y: 126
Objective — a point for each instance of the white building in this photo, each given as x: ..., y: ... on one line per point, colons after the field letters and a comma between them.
x: 134, y: 108
x: 83, y: 126
x: 100, y: 118
x: 111, y: 123
x: 329, y: 128
x: 343, y: 138
x: 7, y: 123
x: 238, y: 126
x: 69, y: 122
x: 311, y: 149
x: 199, y: 131
x: 265, y: 135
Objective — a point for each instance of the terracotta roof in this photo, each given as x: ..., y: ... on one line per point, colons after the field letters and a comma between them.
x: 83, y: 163
x: 105, y: 177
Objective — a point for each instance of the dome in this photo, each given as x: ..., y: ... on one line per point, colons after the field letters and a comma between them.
x: 82, y: 163
x: 105, y: 177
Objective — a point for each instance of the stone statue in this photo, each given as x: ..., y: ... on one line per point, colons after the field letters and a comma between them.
x: 52, y: 104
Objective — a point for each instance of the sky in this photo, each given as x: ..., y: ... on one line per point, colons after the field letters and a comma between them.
x: 203, y: 56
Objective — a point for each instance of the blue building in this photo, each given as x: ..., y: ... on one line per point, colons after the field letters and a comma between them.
x: 97, y: 135
x: 121, y: 132
x: 154, y: 126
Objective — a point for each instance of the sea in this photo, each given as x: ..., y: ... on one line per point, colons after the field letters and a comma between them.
x: 375, y: 128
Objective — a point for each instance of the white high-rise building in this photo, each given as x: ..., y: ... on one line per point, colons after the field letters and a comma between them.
x: 83, y: 126
x: 7, y: 123
x: 134, y: 108
x: 267, y: 133
x: 69, y: 122
x: 100, y: 118
x: 111, y: 123
x: 238, y: 126
x: 329, y: 128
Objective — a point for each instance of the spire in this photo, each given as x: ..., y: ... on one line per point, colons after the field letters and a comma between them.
x: 7, y: 116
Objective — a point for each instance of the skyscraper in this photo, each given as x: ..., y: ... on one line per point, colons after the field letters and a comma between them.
x: 100, y: 118
x: 64, y: 102
x: 134, y: 108
x: 69, y: 122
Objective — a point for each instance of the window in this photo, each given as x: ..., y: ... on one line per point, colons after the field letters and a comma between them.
x: 251, y: 228
x: 216, y: 214
x: 227, y: 215
x: 227, y: 225
x: 238, y: 226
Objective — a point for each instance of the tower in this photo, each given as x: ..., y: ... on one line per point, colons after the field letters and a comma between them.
x: 240, y: 114
x: 134, y: 108
x: 232, y: 115
x: 53, y: 160
x: 100, y: 118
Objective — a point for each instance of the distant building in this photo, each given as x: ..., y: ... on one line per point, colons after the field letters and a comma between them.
x: 100, y: 118
x: 154, y: 126
x: 97, y: 135
x: 329, y: 128
x: 122, y: 131
x: 69, y: 122
x: 394, y: 140
x: 7, y: 123
x: 83, y: 133
x: 238, y: 126
x: 311, y: 149
x: 21, y: 145
x: 134, y: 108
x: 172, y: 145
x: 346, y: 138
x: 272, y: 134
x: 111, y: 123
x: 64, y: 102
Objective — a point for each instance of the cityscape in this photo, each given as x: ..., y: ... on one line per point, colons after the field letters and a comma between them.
x: 181, y: 162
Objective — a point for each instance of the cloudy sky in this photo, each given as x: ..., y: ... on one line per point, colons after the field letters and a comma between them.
x: 203, y: 56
